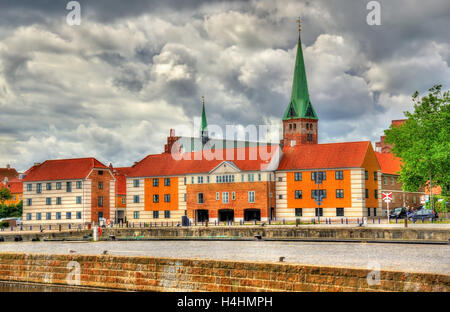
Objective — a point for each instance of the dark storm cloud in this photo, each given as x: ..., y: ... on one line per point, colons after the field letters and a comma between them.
x: 112, y: 87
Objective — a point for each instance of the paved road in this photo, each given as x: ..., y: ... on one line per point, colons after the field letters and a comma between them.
x: 403, y: 257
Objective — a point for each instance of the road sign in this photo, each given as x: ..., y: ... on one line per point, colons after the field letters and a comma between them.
x: 387, y: 197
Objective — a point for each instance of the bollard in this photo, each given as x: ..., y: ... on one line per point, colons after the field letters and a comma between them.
x: 346, y: 220
x: 406, y: 222
x: 240, y: 222
x: 269, y: 221
x: 12, y: 229
x: 31, y: 228
x: 21, y: 228
x: 314, y: 220
x: 50, y: 227
x: 357, y: 220
x: 284, y: 221
x: 214, y: 222
x: 342, y: 220
x: 255, y: 221
x: 379, y: 220
x: 70, y: 227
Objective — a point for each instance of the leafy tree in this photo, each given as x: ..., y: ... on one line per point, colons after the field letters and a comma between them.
x: 423, y: 142
x: 11, y: 211
x: 5, y: 195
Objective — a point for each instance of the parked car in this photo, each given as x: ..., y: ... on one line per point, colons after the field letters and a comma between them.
x: 424, y: 214
x: 398, y: 213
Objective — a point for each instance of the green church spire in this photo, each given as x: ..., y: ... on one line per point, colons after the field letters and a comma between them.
x: 300, y: 105
x: 203, y: 129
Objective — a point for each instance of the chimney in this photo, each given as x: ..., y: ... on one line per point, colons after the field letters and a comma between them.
x: 8, y: 166
x: 36, y: 164
x: 172, y: 133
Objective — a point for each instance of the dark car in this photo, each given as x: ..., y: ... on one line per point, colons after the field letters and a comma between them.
x: 424, y: 214
x: 398, y: 213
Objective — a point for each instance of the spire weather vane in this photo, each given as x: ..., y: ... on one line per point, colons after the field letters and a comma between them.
x: 299, y: 22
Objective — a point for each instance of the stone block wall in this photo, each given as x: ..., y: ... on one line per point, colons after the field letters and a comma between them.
x: 159, y: 274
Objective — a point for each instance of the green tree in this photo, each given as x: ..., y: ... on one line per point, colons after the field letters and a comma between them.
x: 423, y: 142
x: 5, y: 195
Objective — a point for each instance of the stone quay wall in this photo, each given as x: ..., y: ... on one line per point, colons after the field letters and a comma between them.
x: 438, y: 235
x: 163, y: 274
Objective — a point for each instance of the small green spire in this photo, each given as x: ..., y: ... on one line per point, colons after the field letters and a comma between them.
x: 203, y: 130
x: 300, y: 105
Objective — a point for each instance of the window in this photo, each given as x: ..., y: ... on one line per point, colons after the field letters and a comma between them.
x: 322, y: 194
x: 48, y: 201
x: 207, y: 179
x: 68, y: 186
x: 392, y: 181
x: 100, y: 201
x: 29, y: 202
x: 339, y: 175
x: 136, y: 183
x: 167, y: 198
x: 28, y: 216
x: 366, y: 175
x: 374, y: 212
x: 309, y: 137
x: 217, y: 196
x: 38, y: 216
x: 78, y: 184
x: 298, y: 212
x: 385, y: 180
x: 367, y: 193
x: 185, y: 197
x: 251, y: 177
x: 339, y: 193
x: 375, y: 194
x: 68, y: 215
x: 233, y: 195
x: 298, y: 194
x: 280, y: 179
x: 100, y: 172
x: 124, y: 200
x: 78, y: 215
x: 38, y: 188
x: 192, y: 180
x: 368, y: 212
x: 280, y: 196
x: 167, y: 214
x: 339, y: 212
x: 58, y: 216
x: 295, y: 126
x: 58, y: 200
x: 78, y: 199
x: 58, y: 185
x: 167, y: 181
x: 155, y: 214
x: 200, y: 199
x: 375, y: 176
x: 100, y: 185
x: 259, y: 176
x: 319, y: 212
x: 290, y: 126
x: 319, y: 176
x: 156, y: 198
x: 136, y: 199
x: 185, y: 180
x: 48, y: 216
x: 298, y: 176
x: 155, y: 182
x: 199, y: 179
x: 242, y: 178
x: 225, y: 198
x: 136, y: 215
x: 29, y: 187
x: 251, y: 196
x: 48, y: 186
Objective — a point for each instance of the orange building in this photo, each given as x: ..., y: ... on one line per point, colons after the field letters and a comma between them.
x: 118, y: 211
x: 329, y: 180
x: 15, y: 188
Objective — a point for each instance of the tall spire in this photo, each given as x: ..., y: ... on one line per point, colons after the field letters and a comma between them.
x: 300, y: 105
x: 204, y: 130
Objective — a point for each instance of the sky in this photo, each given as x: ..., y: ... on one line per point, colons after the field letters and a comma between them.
x: 113, y: 86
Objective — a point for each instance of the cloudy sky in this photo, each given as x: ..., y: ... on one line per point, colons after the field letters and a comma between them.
x: 113, y: 86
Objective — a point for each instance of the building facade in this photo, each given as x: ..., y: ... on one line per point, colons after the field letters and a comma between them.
x: 63, y: 191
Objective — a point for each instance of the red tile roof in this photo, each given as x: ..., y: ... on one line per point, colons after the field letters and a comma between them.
x: 389, y: 163
x: 166, y: 165
x: 324, y: 156
x: 15, y: 186
x: 8, y: 172
x: 120, y: 173
x: 63, y: 169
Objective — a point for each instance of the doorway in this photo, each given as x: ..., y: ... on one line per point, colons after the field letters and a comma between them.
x: 252, y: 214
x: 202, y: 215
x: 226, y: 215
